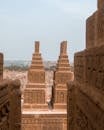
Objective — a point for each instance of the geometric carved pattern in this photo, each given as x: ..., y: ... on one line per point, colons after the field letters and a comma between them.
x: 61, y: 96
x: 86, y: 108
x: 82, y: 122
x: 34, y: 94
x: 44, y: 122
x: 10, y: 102
x: 10, y: 105
x: 61, y: 76
x: 37, y: 77
x: 1, y: 66
x: 95, y: 27
x: 89, y: 67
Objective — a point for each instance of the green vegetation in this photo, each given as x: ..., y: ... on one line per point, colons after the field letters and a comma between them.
x: 17, y: 68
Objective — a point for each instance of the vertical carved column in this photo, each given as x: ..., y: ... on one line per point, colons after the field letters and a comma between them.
x: 64, y: 124
x: 15, y: 105
x: 71, y: 106
x: 4, y: 110
x: 34, y: 94
x: 1, y: 66
x: 61, y: 76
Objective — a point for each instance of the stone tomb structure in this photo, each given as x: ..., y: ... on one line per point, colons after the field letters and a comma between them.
x: 35, y: 113
x: 10, y: 102
x: 86, y: 93
x: 34, y: 94
x: 61, y: 76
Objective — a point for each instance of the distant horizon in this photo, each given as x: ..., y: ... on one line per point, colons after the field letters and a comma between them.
x: 31, y: 60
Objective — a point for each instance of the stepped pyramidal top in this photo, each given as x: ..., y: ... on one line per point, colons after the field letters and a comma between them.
x: 34, y: 95
x: 37, y: 62
x: 63, y: 61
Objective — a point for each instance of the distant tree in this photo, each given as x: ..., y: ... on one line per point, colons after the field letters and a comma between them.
x: 16, y: 67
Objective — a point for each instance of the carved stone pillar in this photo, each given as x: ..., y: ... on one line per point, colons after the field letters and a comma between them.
x: 15, y: 105
x: 1, y: 66
x: 34, y: 94
x: 61, y: 76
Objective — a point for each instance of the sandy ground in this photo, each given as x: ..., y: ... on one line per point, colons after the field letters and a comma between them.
x: 21, y: 75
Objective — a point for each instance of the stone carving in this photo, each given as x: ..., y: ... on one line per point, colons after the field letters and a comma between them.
x: 44, y: 122
x: 34, y: 96
x: 61, y: 76
x: 82, y: 122
x: 15, y: 105
x: 1, y: 66
x: 88, y: 108
x: 35, y: 87
x: 71, y: 106
x: 10, y: 102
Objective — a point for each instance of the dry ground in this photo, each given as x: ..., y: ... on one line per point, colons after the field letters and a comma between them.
x: 22, y: 76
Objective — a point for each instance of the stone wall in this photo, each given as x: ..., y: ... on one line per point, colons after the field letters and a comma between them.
x: 44, y: 121
x: 91, y: 33
x: 1, y: 66
x: 10, y: 105
x: 86, y: 93
x: 95, y: 27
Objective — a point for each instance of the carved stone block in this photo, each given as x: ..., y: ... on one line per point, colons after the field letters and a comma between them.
x: 1, y: 66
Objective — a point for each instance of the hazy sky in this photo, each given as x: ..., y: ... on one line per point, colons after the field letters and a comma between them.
x: 49, y: 21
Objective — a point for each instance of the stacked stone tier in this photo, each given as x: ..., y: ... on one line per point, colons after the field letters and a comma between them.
x: 37, y: 62
x: 34, y: 97
x: 44, y: 120
x: 35, y: 76
x: 61, y: 76
x: 63, y: 63
x: 86, y: 93
x: 35, y: 85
